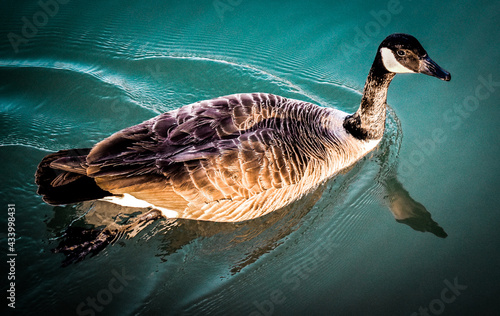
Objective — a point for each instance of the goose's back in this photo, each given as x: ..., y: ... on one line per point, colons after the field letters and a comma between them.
x: 229, y: 159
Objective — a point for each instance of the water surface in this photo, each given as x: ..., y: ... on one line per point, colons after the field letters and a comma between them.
x: 93, y: 68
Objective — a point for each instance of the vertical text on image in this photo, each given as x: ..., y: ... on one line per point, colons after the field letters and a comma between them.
x: 11, y: 254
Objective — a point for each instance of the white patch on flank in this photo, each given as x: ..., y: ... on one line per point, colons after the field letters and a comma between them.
x: 370, y: 144
x: 128, y: 200
x: 166, y: 212
x: 391, y: 63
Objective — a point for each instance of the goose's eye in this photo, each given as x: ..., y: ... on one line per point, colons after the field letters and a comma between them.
x: 401, y: 52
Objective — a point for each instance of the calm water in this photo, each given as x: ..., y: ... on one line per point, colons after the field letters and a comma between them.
x: 84, y: 70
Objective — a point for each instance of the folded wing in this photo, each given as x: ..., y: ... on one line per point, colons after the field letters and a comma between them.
x: 221, y: 149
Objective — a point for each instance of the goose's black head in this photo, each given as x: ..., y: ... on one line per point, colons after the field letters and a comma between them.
x: 402, y: 53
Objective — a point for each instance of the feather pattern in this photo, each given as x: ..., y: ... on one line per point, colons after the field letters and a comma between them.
x: 232, y: 158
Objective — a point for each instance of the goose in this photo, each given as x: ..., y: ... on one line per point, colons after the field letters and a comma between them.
x: 233, y: 158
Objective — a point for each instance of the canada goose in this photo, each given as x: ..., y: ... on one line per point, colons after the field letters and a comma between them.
x: 233, y: 158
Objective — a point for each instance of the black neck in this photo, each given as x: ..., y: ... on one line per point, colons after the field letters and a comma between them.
x: 369, y: 120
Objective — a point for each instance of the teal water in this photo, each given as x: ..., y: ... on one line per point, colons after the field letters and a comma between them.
x: 88, y: 69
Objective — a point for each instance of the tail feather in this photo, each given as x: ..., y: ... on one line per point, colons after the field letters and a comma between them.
x: 61, y: 178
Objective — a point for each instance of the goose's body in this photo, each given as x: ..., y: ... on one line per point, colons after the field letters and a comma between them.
x: 232, y: 158
x: 229, y: 159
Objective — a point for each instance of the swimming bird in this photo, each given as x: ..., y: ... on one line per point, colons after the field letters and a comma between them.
x: 236, y: 157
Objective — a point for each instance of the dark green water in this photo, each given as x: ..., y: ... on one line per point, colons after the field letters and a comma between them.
x: 84, y: 70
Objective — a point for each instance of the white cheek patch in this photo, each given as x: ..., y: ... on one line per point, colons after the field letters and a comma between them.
x: 391, y: 63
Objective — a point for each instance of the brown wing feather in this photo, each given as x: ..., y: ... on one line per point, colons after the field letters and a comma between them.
x: 225, y: 148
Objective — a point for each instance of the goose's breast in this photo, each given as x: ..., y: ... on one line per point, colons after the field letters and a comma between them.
x: 266, y: 176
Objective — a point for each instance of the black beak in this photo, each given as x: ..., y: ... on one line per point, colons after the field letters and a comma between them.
x: 429, y: 67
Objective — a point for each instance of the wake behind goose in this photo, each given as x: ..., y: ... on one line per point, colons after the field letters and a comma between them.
x: 233, y: 158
